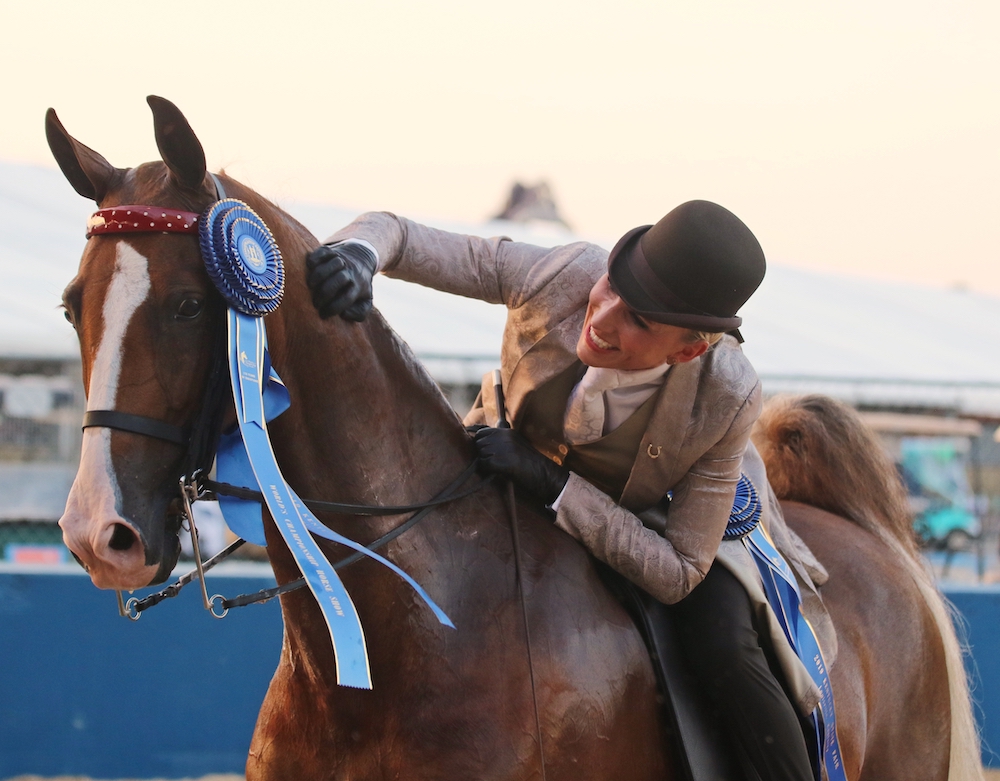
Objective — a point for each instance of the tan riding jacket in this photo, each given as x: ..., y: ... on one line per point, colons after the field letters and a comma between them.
x: 697, y: 440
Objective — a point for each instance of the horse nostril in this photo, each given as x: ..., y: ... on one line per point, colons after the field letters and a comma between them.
x: 122, y: 538
x: 80, y: 562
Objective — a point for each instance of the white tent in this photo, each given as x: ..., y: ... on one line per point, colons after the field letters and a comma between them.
x: 877, y: 342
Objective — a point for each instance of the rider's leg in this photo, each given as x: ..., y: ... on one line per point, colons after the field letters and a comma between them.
x: 717, y: 634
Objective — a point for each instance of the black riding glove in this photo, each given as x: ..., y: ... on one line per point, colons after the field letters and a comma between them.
x: 340, y: 278
x: 504, y: 452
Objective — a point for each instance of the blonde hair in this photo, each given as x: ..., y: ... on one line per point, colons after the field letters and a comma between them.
x: 703, y: 336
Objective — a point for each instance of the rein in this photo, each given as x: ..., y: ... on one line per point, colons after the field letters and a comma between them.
x: 227, y: 489
x: 133, y: 608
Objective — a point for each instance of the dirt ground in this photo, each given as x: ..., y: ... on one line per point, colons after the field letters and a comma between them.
x: 991, y: 775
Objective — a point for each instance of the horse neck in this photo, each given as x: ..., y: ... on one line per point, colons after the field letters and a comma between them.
x: 367, y: 410
x: 367, y: 424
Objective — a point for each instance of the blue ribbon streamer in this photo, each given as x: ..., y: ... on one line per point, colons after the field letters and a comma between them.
x: 249, y: 363
x: 245, y: 518
x: 785, y: 599
x: 244, y: 262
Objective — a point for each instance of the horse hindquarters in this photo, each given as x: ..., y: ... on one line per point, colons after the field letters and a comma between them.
x: 890, y: 680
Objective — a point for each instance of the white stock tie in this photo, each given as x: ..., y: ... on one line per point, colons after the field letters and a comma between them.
x: 587, y: 410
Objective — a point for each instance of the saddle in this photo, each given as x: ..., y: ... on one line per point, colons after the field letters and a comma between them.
x: 701, y: 750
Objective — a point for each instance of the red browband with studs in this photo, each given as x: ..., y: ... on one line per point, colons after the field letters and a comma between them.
x: 141, y: 219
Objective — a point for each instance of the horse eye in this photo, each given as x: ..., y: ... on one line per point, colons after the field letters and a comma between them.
x: 189, y: 309
x: 69, y: 317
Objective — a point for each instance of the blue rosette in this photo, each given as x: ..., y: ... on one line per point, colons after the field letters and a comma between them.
x: 745, y: 515
x: 241, y: 257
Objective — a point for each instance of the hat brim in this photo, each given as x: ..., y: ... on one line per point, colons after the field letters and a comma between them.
x: 626, y: 264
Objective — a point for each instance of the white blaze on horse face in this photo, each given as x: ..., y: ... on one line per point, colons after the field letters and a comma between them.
x: 128, y: 289
x: 93, y: 506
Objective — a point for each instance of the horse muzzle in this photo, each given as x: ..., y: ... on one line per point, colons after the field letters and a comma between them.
x: 124, y: 536
x: 115, y: 551
x: 112, y: 552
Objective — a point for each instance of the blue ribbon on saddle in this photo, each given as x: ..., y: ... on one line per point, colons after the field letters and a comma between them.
x: 244, y: 262
x: 783, y: 595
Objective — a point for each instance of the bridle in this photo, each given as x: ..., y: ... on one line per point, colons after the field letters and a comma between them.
x: 139, y: 219
x: 201, y: 439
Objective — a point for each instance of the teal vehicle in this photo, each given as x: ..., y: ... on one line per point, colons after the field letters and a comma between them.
x: 934, y: 470
x: 949, y: 528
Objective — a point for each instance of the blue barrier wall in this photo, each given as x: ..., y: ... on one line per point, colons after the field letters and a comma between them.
x: 176, y: 694
x: 85, y: 692
x: 980, y: 609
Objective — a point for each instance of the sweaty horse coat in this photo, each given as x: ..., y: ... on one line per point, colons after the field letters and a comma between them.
x: 695, y: 444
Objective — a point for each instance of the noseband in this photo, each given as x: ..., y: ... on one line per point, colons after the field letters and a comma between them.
x: 137, y: 424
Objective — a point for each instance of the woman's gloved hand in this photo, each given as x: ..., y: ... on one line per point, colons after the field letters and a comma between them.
x: 340, y: 279
x: 504, y: 452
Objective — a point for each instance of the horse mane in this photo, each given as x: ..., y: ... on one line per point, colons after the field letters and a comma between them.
x: 268, y: 208
x: 820, y: 452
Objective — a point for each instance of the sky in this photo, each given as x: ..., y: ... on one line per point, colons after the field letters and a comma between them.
x: 861, y: 136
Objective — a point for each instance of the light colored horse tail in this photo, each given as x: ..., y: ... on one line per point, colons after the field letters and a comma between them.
x: 818, y: 451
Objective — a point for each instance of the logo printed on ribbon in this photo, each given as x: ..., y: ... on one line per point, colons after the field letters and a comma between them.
x: 252, y: 253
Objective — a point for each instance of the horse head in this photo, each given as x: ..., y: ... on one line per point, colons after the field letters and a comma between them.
x: 146, y: 315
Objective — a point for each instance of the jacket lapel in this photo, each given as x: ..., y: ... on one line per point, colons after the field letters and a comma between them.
x: 656, y: 464
x: 549, y: 356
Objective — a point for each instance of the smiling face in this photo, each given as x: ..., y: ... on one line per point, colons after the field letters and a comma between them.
x: 615, y: 337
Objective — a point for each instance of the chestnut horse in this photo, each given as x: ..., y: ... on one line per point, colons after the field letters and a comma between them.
x: 368, y: 425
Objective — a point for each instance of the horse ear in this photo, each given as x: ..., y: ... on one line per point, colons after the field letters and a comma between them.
x: 179, y: 146
x: 90, y: 174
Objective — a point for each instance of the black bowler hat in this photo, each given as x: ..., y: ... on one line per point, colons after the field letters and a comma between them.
x: 695, y: 268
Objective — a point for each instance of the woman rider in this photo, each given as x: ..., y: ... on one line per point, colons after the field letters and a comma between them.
x: 629, y: 396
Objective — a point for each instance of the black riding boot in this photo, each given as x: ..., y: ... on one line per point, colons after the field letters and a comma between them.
x: 717, y: 634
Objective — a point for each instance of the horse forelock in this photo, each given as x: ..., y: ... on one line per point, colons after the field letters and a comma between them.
x: 151, y: 183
